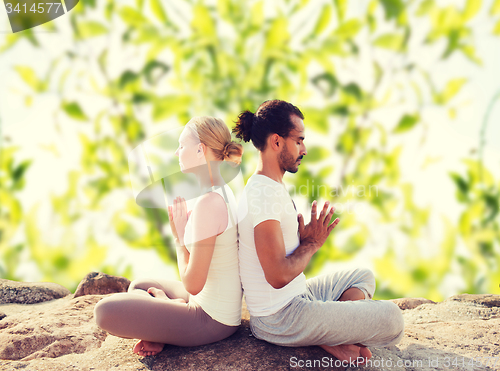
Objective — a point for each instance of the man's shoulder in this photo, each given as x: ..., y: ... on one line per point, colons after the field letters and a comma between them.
x: 258, y: 181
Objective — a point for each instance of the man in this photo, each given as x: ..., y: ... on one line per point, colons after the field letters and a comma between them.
x: 331, y: 311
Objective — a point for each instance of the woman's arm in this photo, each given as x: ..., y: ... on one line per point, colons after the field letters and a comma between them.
x: 209, y: 220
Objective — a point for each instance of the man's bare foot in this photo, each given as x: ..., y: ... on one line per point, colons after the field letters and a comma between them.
x: 157, y: 293
x: 349, y: 353
x: 147, y: 348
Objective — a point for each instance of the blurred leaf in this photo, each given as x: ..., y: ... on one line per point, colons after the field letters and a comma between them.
x: 326, y: 82
x: 493, y: 204
x: 109, y: 10
x: 170, y: 105
x: 125, y: 229
x: 324, y: 19
x: 452, y: 88
x: 315, y: 119
x: 89, y: 3
x: 203, y: 22
x: 354, y: 90
x: 325, y: 171
x: 102, y: 60
x: 340, y: 7
x: 315, y: 154
x: 348, y: 29
x: 126, y: 78
x: 257, y: 14
x: 496, y: 30
x: 462, y: 187
x: 346, y: 143
x: 390, y: 270
x: 154, y: 71
x: 390, y: 41
x: 371, y: 15
x: 29, y: 77
x: 19, y: 171
x: 495, y: 8
x: 340, y: 110
x: 357, y: 241
x: 392, y: 8
x: 139, y: 98
x: 132, y: 16
x: 471, y: 9
x: 429, y: 160
x: 74, y: 111
x: 89, y: 29
x: 158, y: 11
x: 278, y: 35
x: 470, y: 52
x: 425, y: 7
x: 406, y: 123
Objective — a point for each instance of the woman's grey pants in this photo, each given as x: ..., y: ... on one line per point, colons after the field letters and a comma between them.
x: 318, y: 318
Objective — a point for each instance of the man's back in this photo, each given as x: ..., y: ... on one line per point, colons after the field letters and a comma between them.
x: 265, y: 199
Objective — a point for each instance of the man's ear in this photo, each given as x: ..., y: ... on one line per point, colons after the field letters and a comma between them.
x: 275, y: 141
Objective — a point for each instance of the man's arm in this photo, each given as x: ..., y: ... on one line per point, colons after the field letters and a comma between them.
x: 280, y: 269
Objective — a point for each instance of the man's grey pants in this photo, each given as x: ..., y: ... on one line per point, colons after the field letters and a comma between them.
x: 317, y: 318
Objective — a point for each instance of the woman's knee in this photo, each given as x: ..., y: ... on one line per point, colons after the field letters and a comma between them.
x: 104, y: 312
x: 140, y: 284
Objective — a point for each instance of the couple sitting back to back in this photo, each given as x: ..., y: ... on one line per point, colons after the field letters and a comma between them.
x: 333, y: 311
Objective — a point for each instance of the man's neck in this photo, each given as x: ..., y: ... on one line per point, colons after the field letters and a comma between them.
x: 269, y: 168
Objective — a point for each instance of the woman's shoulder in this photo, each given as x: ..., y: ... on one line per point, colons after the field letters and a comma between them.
x: 210, y: 203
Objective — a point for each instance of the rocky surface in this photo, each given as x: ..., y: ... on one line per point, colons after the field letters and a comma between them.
x: 457, y: 334
x: 30, y: 292
x: 97, y: 283
x: 44, y: 331
x: 411, y: 303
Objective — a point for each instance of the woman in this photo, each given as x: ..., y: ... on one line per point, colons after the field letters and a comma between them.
x: 206, y: 305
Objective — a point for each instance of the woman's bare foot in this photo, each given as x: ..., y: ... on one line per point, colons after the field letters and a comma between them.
x: 147, y: 348
x: 179, y: 300
x: 349, y: 353
x: 157, y: 293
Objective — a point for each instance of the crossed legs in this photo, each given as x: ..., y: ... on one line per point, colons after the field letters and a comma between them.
x: 335, y: 314
x: 348, y: 352
x: 157, y: 313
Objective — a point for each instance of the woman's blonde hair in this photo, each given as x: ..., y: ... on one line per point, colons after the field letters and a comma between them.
x: 214, y: 133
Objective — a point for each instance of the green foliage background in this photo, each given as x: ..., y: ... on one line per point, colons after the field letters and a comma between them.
x: 149, y: 62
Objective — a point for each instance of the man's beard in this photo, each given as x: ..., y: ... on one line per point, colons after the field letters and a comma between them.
x: 287, y: 162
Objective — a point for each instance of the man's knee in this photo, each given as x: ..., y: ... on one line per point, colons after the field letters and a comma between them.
x: 367, y: 281
x: 394, y: 323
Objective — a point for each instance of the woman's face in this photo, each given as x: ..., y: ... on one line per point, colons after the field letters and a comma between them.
x: 189, y: 151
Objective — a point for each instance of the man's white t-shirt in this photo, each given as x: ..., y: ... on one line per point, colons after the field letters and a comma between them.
x: 265, y: 199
